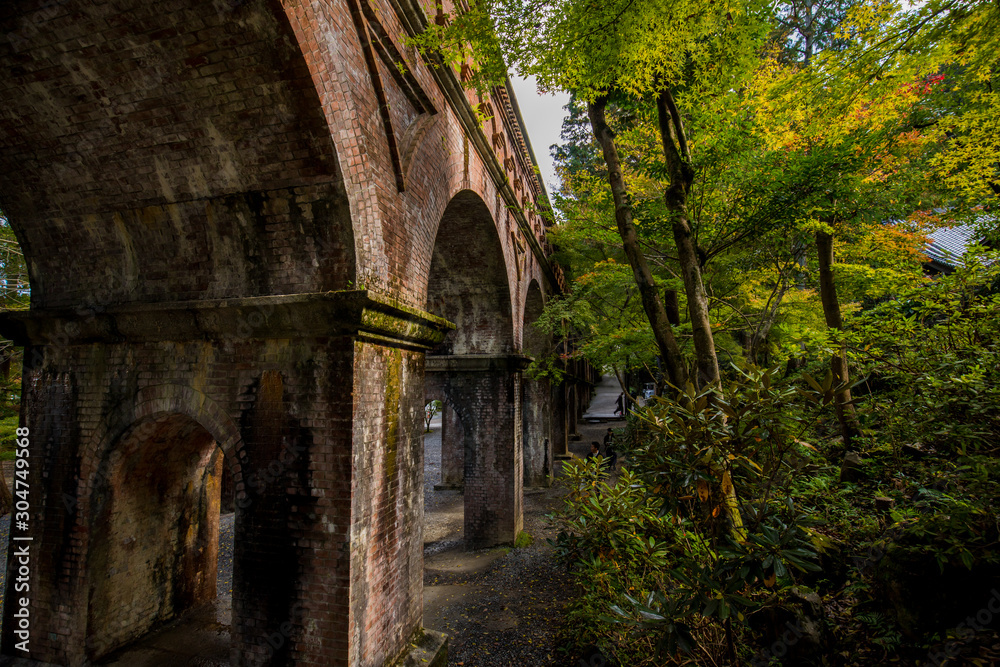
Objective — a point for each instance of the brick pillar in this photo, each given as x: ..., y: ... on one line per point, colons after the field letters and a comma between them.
x: 452, y: 449
x: 560, y: 432
x: 324, y: 428
x: 572, y: 409
x: 485, y: 392
x: 537, y: 433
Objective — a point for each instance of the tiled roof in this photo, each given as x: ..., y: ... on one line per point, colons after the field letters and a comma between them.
x: 947, y: 245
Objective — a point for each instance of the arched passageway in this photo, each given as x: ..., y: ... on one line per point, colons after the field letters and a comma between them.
x: 154, y: 536
x: 476, y: 373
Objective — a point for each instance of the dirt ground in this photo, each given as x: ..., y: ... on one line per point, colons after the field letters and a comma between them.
x: 499, y: 607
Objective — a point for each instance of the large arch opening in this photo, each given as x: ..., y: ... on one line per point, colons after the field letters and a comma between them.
x: 468, y: 282
x: 535, y: 341
x: 473, y: 374
x: 167, y: 151
x: 536, y: 396
x: 154, y: 537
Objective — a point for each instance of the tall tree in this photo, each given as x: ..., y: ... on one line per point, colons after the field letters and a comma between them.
x: 661, y: 53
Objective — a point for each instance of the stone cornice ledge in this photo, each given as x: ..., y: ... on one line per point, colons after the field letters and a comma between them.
x: 367, y: 315
x: 475, y: 363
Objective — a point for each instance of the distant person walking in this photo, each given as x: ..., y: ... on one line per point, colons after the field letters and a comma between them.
x: 620, y: 405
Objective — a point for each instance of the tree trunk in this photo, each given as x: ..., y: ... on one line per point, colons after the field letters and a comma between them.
x: 770, y: 314
x: 669, y: 350
x: 672, y: 306
x: 6, y: 499
x: 831, y: 311
x: 678, y: 161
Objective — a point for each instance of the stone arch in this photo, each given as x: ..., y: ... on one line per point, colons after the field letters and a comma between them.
x: 174, y: 161
x: 149, y: 403
x: 536, y: 406
x: 468, y: 282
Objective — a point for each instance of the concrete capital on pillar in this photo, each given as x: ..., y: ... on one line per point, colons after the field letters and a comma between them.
x: 369, y: 316
x: 476, y: 363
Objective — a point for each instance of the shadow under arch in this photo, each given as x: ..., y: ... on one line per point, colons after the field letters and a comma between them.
x: 534, y: 341
x: 152, y: 514
x: 468, y: 281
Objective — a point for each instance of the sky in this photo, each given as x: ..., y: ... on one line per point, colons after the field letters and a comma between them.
x: 543, y: 114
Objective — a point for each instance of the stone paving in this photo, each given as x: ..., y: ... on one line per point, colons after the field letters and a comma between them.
x: 602, y: 406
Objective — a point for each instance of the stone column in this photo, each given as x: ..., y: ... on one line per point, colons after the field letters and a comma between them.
x: 452, y: 450
x: 560, y: 422
x: 573, y: 411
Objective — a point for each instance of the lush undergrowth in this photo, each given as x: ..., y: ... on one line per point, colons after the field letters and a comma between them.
x: 743, y: 530
x: 7, y: 438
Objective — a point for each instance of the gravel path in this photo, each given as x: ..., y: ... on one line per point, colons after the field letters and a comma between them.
x: 509, y: 610
x: 224, y: 584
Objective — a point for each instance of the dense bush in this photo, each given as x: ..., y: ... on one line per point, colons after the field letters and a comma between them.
x: 935, y: 353
x: 732, y: 498
x: 701, y: 532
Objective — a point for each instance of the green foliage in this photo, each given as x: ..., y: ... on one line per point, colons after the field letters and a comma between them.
x: 431, y: 409
x: 8, y: 439
x: 610, y: 521
x: 594, y: 48
x: 14, y: 293
x: 523, y: 540
x: 692, y: 556
x: 934, y: 356
x: 884, y: 630
x: 617, y: 541
x: 958, y: 528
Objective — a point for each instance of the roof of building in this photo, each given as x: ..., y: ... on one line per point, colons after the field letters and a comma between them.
x: 947, y: 245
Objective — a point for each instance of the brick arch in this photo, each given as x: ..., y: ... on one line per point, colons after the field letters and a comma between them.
x: 468, y: 281
x: 153, y: 472
x: 153, y: 532
x: 533, y: 341
x: 169, y: 155
x: 150, y: 403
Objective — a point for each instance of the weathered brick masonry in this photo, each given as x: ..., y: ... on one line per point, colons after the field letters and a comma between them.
x: 237, y: 217
x: 537, y: 404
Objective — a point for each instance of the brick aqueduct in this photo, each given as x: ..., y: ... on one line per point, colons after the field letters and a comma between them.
x: 260, y: 233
